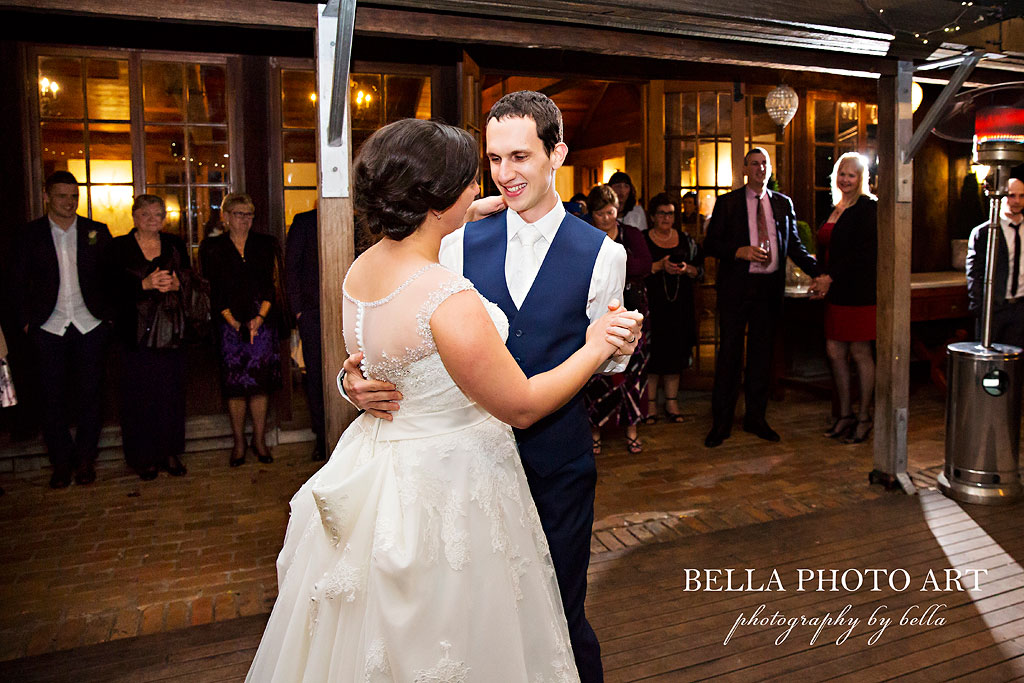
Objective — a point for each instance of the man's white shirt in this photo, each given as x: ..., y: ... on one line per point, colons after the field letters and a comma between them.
x: 70, y: 309
x: 606, y: 281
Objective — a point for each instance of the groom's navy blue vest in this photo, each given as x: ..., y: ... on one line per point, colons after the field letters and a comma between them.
x: 550, y: 327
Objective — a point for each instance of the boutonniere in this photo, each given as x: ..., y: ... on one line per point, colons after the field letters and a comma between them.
x: 92, y: 237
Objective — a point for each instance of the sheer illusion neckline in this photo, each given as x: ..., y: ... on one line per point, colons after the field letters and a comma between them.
x: 395, y: 292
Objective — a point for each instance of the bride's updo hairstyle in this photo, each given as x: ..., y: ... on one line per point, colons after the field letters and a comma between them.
x: 408, y: 168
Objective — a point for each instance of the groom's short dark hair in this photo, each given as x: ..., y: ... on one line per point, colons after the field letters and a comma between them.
x: 528, y: 104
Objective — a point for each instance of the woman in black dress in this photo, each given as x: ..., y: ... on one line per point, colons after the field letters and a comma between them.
x: 241, y: 266
x: 677, y: 262
x: 147, y: 269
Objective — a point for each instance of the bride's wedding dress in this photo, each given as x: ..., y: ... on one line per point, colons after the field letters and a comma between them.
x: 415, y: 554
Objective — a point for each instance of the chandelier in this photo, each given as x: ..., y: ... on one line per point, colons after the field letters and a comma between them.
x: 781, y: 104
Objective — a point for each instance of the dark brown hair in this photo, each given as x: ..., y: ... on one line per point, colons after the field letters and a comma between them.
x: 527, y: 104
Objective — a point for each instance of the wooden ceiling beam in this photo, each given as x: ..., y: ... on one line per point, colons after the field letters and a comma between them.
x: 560, y: 87
x: 589, y: 116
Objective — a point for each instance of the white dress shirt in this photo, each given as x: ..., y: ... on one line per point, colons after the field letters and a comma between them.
x: 606, y: 281
x: 1008, y: 235
x: 773, y: 233
x: 70, y: 308
x: 635, y: 217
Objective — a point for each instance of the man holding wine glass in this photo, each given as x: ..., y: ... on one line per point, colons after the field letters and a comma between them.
x: 751, y: 232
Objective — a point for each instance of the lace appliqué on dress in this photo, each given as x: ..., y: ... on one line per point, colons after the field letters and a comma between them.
x: 394, y: 369
x: 447, y: 670
x: 377, y: 667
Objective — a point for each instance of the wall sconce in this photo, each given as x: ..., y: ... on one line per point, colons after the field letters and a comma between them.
x: 363, y: 99
x: 916, y: 96
x: 48, y: 89
x: 312, y: 97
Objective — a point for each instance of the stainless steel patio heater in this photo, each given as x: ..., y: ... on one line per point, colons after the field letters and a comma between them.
x: 983, y: 400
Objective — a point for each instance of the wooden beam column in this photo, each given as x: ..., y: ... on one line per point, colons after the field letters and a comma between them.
x: 895, y: 213
x: 654, y: 182
x: 336, y: 230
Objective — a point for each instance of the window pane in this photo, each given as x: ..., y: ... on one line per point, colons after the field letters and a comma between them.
x: 110, y: 153
x: 205, y: 209
x: 824, y: 160
x: 174, y: 198
x: 206, y: 101
x: 848, y: 120
x: 365, y: 96
x: 708, y: 113
x: 208, y: 154
x: 165, y: 155
x: 112, y: 204
x: 725, y: 113
x: 673, y: 114
x: 824, y: 121
x: 163, y: 93
x: 763, y: 129
x: 714, y: 170
x: 690, y: 113
x: 404, y: 97
x: 62, y: 142
x: 62, y: 79
x: 298, y: 150
x: 822, y: 206
x: 297, y: 201
x: 107, y: 89
x: 298, y: 104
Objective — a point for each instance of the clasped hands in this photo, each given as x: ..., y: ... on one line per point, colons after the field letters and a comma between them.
x: 379, y: 399
x: 819, y: 285
x: 161, y: 281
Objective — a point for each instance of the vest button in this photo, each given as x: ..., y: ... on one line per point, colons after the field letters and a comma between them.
x: 519, y: 333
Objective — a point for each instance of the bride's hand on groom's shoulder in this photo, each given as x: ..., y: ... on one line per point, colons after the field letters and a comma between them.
x: 377, y: 398
x: 484, y: 207
x: 619, y: 328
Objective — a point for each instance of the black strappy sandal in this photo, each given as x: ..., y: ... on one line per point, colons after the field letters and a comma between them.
x: 843, y: 427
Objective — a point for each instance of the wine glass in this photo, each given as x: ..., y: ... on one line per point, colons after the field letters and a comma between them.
x: 766, y: 244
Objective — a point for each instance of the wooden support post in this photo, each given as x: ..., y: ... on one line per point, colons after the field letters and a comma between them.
x: 336, y: 230
x: 655, y: 168
x: 895, y: 193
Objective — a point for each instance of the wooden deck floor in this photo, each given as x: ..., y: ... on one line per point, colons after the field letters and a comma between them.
x: 653, y: 628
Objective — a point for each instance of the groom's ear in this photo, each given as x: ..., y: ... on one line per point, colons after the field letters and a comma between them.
x: 558, y: 155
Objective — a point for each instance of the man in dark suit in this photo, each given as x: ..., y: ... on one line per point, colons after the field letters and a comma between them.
x: 302, y: 279
x: 65, y: 311
x: 1008, y: 278
x: 751, y: 232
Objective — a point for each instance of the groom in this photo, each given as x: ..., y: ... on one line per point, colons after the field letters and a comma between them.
x: 552, y: 275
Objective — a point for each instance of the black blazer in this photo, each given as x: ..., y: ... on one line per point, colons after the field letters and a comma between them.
x: 38, y: 273
x: 852, y: 259
x: 977, y: 250
x: 728, y: 230
x: 302, y: 265
x: 128, y: 267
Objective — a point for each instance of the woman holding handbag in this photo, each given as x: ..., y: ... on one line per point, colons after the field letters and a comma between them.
x: 148, y: 269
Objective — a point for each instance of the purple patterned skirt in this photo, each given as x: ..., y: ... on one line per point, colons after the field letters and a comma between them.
x: 249, y: 368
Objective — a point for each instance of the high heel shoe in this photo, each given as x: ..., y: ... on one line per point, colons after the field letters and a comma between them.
x: 263, y: 456
x: 237, y: 455
x: 673, y: 418
x: 860, y: 437
x: 174, y: 466
x: 842, y: 427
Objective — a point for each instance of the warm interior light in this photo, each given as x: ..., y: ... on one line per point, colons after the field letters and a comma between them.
x: 610, y: 166
x: 312, y: 97
x: 111, y: 204
x: 916, y: 95
x: 48, y: 88
x: 980, y: 172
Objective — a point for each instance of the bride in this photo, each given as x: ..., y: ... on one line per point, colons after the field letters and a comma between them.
x: 416, y: 553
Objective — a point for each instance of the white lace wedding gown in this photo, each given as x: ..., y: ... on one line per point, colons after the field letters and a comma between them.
x: 416, y: 555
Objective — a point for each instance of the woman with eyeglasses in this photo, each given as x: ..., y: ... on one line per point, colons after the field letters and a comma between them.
x: 677, y: 263
x: 242, y: 265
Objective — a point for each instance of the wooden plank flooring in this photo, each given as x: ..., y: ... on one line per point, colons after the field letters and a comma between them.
x: 654, y: 627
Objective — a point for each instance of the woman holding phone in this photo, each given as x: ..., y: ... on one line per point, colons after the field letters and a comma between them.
x: 677, y: 263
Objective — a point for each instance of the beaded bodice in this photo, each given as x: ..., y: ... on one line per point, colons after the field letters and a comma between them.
x: 394, y: 335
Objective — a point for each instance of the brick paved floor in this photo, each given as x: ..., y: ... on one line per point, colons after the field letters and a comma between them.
x: 123, y: 557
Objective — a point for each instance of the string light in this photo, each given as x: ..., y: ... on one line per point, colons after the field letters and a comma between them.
x: 980, y: 14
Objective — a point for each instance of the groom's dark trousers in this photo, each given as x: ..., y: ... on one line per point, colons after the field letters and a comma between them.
x: 549, y: 327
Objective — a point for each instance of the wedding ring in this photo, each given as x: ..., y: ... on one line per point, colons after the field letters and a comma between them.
x: 632, y: 339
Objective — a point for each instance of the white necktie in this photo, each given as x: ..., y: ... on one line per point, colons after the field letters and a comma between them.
x: 529, y: 263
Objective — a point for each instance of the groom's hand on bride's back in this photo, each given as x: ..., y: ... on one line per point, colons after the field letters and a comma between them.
x: 375, y: 397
